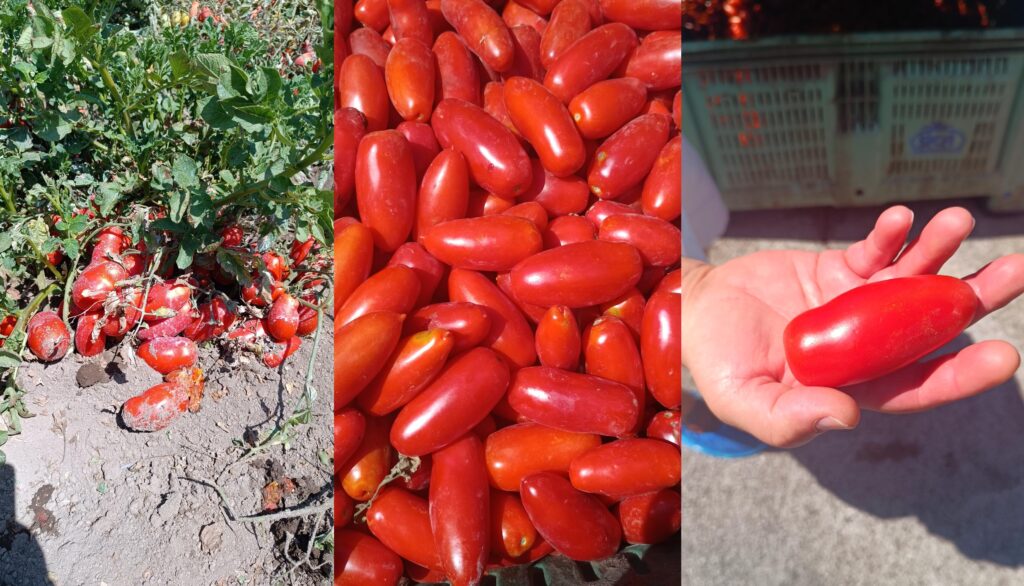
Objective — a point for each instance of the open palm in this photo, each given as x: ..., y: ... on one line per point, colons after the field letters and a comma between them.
x: 734, y: 315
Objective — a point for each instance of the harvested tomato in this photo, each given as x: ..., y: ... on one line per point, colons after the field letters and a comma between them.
x: 627, y: 467
x: 386, y: 187
x: 484, y: 31
x: 364, y: 470
x: 468, y: 323
x: 574, y: 523
x: 651, y: 517
x: 48, y: 336
x: 532, y: 211
x: 428, y: 269
x: 167, y: 354
x: 359, y: 559
x: 349, y: 129
x: 545, y: 123
x: 558, y: 338
x: 401, y: 521
x: 885, y: 325
x: 606, y: 106
x: 409, y: 75
x: 353, y: 255
x: 411, y: 19
x: 666, y: 425
x: 457, y: 69
x: 422, y: 143
x: 363, y: 88
x: 361, y: 349
x: 394, y: 288
x: 625, y: 158
x: 512, y: 533
x: 592, y: 58
x: 658, y: 242
x: 520, y: 450
x: 411, y: 367
x: 574, y: 402
x: 349, y: 427
x: 662, y: 192
x: 489, y: 243
x: 577, y: 275
x: 658, y: 61
x: 460, y: 510
x: 444, y: 192
x: 510, y: 334
x: 569, y: 21
x: 568, y: 230
x: 156, y: 408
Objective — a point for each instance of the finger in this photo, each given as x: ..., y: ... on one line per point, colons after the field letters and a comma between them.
x: 998, y: 283
x: 949, y: 378
x: 785, y: 416
x: 938, y: 241
x: 882, y: 244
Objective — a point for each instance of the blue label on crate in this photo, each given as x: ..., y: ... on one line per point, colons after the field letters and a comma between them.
x: 938, y: 139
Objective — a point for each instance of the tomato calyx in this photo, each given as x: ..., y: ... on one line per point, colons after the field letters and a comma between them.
x: 404, y: 469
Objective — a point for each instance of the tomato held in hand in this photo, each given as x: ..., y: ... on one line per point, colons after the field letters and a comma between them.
x: 48, y: 336
x: 627, y: 467
x: 876, y: 329
x: 460, y: 509
x: 167, y: 354
x: 574, y: 523
x: 517, y: 451
x: 156, y: 408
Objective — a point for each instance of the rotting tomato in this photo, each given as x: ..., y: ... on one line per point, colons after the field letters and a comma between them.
x: 166, y: 300
x: 156, y: 408
x: 517, y: 451
x: 89, y: 339
x: 48, y: 336
x: 576, y: 524
x: 283, y: 318
x: 167, y: 354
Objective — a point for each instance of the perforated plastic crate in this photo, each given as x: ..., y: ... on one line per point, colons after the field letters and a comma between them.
x: 859, y: 119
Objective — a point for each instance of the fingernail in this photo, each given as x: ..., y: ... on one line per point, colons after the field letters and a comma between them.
x: 830, y: 424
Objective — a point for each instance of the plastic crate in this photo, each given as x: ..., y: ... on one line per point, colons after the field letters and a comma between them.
x: 859, y: 119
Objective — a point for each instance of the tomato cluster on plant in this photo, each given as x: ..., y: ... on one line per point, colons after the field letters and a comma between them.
x: 507, y: 195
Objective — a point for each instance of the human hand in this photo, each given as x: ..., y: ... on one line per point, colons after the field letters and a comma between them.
x: 734, y: 314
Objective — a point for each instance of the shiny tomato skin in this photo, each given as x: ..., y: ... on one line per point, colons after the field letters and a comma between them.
x: 658, y: 61
x: 569, y: 21
x: 574, y: 402
x: 592, y: 58
x: 412, y: 366
x: 659, y: 242
x: 629, y: 308
x: 650, y: 518
x: 625, y: 158
x: 607, y: 106
x: 460, y: 509
x: 386, y: 187
x: 366, y: 468
x: 517, y: 451
x: 363, y: 88
x: 627, y: 467
x: 496, y: 160
x: 409, y: 76
x: 411, y: 19
x: 545, y: 123
x: 577, y: 275
x: 494, y: 104
x: 576, y: 524
x: 419, y: 479
x: 428, y: 269
x: 558, y: 338
x: 487, y: 243
x: 401, y: 521
x: 677, y: 110
x: 95, y: 283
x: 661, y: 347
x: 568, y: 230
x: 361, y: 349
x: 484, y: 31
x: 361, y: 560
x: 532, y: 211
x: 482, y: 203
x: 649, y: 15
x: 156, y: 408
x: 349, y: 427
x: 515, y: 14
x: 458, y: 399
x: 369, y: 43
x: 353, y: 258
x: 662, y: 192
x: 512, y: 533
x: 283, y: 318
x: 108, y: 244
x: 349, y: 129
x: 308, y: 318
x: 345, y: 508
x: 89, y: 340
x: 886, y: 325
x: 526, y: 63
x: 456, y: 68
x: 560, y: 196
x: 443, y: 193
x: 468, y: 323
x: 394, y: 288
x: 533, y: 313
x: 666, y: 425
x: 165, y: 355
x: 373, y: 14
x: 510, y: 334
x: 166, y: 300
x: 422, y: 142
x: 610, y: 351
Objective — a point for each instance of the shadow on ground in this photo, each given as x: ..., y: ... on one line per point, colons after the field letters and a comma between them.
x: 21, y: 560
x: 959, y: 469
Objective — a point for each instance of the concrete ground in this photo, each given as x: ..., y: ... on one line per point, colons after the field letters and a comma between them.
x: 929, y: 499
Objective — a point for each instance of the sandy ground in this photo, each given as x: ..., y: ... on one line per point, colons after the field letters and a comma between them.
x: 103, y: 505
x: 929, y: 499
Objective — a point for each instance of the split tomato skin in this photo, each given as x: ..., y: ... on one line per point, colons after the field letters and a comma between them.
x: 574, y: 402
x: 165, y: 355
x: 468, y: 323
x: 156, y: 408
x: 577, y: 275
x: 360, y: 560
x: 386, y: 187
x: 361, y: 349
x: 283, y: 318
x: 487, y: 243
x: 515, y: 452
x: 545, y: 123
x: 458, y: 399
x: 576, y: 524
x: 606, y: 106
x: 48, y: 336
x: 650, y: 518
x: 886, y: 325
x: 592, y: 58
x: 401, y: 521
x: 460, y: 509
x: 627, y: 467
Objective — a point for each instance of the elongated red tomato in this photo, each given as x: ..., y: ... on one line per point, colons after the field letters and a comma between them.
x: 353, y: 257
x: 368, y: 42
x: 569, y: 21
x: 422, y: 143
x: 461, y: 396
x: 410, y: 19
x: 166, y: 300
x: 559, y: 195
x: 604, y: 209
x: 651, y: 517
x: 574, y: 402
x: 89, y: 340
x: 532, y: 211
x: 401, y: 521
x: 533, y: 313
x: 168, y: 354
x: 409, y: 75
x: 386, y: 187
x: 360, y: 560
x: 393, y: 288
x: 661, y: 347
x: 512, y: 533
x: 494, y: 104
x: 468, y: 323
x: 349, y: 128
x: 460, y: 510
x: 606, y: 106
x: 349, y: 427
x: 659, y: 242
x: 95, y: 283
x: 156, y: 408
x: 444, y: 192
x: 662, y: 192
x: 627, y: 467
x: 545, y: 123
x: 624, y: 159
x: 428, y: 269
x: 411, y: 367
x: 666, y: 425
x: 629, y: 308
x: 366, y: 468
x: 610, y: 351
x: 360, y: 350
x: 526, y: 62
x: 456, y: 68
x: 558, y: 338
x: 644, y: 14
x: 577, y: 275
x: 886, y: 325
x: 488, y: 243
x: 496, y: 160
x: 658, y: 61
x: 363, y: 88
x: 517, y: 451
x: 283, y: 318
x: 576, y: 524
x: 484, y: 31
x: 592, y: 58
x: 568, y: 230
x: 516, y: 14
x: 372, y: 13
x: 510, y: 334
